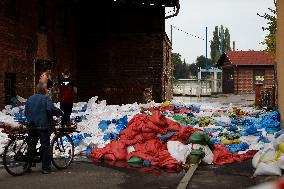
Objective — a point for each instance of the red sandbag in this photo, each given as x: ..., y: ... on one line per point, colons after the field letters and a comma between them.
x: 173, y: 125
x: 150, y: 147
x: 183, y: 134
x: 118, y: 148
x: 164, y: 159
x: 242, y: 157
x: 141, y: 155
x: 152, y: 128
x: 222, y: 155
x: 137, y: 139
x: 110, y: 157
x: 158, y: 119
x: 149, y: 136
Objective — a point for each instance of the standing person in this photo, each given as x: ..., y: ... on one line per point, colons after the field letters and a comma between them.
x: 39, y: 111
x: 45, y: 77
x: 67, y: 92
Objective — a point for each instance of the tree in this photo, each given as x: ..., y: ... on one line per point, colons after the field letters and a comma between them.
x: 181, y: 69
x: 215, y: 46
x: 270, y: 38
x: 220, y: 43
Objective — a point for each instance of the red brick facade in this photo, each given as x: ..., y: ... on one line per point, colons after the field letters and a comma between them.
x: 244, y: 82
x: 243, y: 69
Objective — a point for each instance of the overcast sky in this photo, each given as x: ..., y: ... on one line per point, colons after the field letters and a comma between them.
x: 240, y: 16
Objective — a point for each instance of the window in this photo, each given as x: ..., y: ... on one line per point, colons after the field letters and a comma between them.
x: 11, y: 9
x: 259, y: 76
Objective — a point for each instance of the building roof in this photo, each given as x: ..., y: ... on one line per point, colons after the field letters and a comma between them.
x: 247, y: 58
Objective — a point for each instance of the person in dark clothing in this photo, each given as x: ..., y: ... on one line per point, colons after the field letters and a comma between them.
x: 39, y: 111
x: 67, y: 92
x: 45, y: 77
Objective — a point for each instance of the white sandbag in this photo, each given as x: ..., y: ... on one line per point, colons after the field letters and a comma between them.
x: 255, y: 159
x: 130, y: 149
x: 268, y: 169
x: 178, y: 150
x: 208, y: 159
x: 280, y: 162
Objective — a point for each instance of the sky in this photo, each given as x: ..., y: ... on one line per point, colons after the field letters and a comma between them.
x: 239, y: 16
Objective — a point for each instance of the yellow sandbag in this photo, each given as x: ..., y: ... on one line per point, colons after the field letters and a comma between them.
x: 281, y: 147
x: 165, y: 104
x: 227, y: 142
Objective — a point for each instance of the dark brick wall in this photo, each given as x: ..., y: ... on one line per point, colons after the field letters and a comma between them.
x: 18, y: 47
x: 120, y: 53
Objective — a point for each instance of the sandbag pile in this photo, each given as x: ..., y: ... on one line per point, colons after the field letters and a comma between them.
x: 157, y: 134
x: 270, y: 159
x: 144, y: 136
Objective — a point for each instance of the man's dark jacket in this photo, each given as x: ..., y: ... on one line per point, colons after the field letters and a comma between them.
x: 39, y: 111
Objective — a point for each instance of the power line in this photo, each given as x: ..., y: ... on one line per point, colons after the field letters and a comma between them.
x: 192, y: 35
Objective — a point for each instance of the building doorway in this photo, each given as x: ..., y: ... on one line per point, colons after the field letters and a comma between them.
x: 9, y: 87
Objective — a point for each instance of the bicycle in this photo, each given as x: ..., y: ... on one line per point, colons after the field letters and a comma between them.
x: 17, y: 161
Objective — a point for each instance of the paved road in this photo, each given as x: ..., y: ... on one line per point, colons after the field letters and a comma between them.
x: 88, y: 175
x: 85, y: 175
x: 233, y: 176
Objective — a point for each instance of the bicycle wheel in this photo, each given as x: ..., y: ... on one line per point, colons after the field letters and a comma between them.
x: 63, y: 150
x: 15, y: 157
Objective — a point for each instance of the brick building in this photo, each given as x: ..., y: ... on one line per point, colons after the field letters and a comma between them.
x: 117, y: 50
x: 243, y: 69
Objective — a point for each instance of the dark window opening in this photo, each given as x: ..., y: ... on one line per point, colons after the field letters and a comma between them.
x: 11, y: 9
x: 42, y: 17
x: 10, y: 87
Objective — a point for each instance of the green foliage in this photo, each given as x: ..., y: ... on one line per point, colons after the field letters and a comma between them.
x: 220, y: 43
x: 270, y: 38
x: 182, y: 70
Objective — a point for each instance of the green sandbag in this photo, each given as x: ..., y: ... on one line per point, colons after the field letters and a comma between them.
x: 195, y: 156
x: 200, y: 138
x: 135, y: 162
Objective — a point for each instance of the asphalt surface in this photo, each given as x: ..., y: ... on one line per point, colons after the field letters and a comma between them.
x: 89, y: 175
x: 119, y: 175
x: 232, y: 176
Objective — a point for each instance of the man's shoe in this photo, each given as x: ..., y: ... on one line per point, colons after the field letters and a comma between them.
x: 45, y: 172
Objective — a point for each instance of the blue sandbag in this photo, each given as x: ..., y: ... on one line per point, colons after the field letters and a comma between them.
x: 233, y: 128
x: 238, y: 147
x: 89, y: 150
x: 190, y: 114
x: 103, y: 125
x: 106, y: 137
x: 279, y: 133
x: 219, y: 123
x: 84, y: 108
x: 263, y: 139
x: 215, y: 140
x: 165, y: 137
x: 146, y: 163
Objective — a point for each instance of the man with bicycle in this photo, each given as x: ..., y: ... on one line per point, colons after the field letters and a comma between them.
x: 39, y: 111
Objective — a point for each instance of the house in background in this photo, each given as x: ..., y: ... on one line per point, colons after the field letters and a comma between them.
x: 242, y: 70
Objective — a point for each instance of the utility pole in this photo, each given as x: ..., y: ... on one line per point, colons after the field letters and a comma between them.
x: 172, y: 34
x: 206, y: 44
